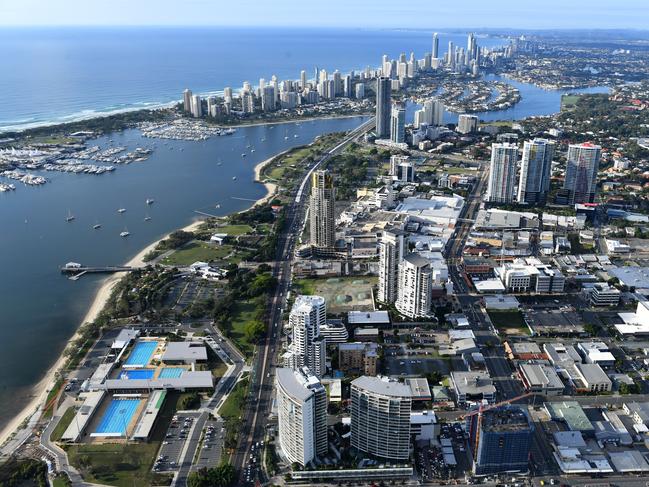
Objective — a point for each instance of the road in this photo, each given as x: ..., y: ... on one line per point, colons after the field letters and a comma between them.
x: 258, y: 408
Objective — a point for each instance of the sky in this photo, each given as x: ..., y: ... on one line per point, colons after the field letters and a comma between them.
x: 427, y: 14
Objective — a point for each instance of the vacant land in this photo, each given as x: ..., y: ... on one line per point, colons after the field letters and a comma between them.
x: 508, y: 321
x: 243, y: 314
x: 342, y: 293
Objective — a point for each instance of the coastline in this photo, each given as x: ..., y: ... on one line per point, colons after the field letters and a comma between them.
x: 41, y: 389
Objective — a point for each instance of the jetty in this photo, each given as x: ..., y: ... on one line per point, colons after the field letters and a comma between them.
x: 75, y: 270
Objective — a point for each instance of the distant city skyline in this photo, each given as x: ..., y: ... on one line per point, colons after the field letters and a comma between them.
x: 511, y: 14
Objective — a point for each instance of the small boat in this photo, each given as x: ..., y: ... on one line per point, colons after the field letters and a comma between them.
x: 296, y: 135
x: 234, y: 178
x: 150, y: 201
x: 217, y: 206
x: 263, y: 139
x: 121, y: 210
x: 252, y: 150
x: 243, y: 155
x: 125, y: 233
x: 70, y: 217
x: 218, y: 163
x: 97, y: 226
x: 286, y: 137
x: 147, y: 218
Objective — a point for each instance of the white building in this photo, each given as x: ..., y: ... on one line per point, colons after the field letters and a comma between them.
x: 530, y: 275
x: 301, y: 415
x: 391, y: 251
x: 308, y: 347
x: 398, y: 124
x: 534, y: 182
x: 601, y: 294
x: 502, y: 174
x: 414, y: 290
x: 380, y: 417
x: 467, y: 123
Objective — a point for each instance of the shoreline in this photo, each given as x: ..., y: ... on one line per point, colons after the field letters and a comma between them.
x: 41, y: 389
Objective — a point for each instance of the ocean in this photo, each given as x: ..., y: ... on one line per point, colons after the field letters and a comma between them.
x: 57, y: 75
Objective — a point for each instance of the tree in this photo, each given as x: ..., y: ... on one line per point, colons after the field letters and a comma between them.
x: 222, y: 476
x: 254, y: 330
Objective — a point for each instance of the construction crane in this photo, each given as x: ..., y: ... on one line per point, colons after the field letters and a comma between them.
x: 481, y: 409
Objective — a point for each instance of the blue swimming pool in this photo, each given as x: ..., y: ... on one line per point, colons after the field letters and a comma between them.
x: 141, y: 353
x: 137, y: 374
x: 117, y: 417
x: 170, y: 373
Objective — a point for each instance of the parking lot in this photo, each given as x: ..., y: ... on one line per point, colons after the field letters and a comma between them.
x: 188, y: 290
x: 169, y: 456
x: 209, y: 454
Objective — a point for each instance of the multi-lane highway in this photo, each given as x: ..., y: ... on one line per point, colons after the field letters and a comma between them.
x: 258, y: 406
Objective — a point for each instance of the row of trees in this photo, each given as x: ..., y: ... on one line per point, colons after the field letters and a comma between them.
x: 222, y: 476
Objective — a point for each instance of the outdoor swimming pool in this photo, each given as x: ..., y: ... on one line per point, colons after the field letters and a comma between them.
x: 118, y: 416
x: 170, y: 373
x: 141, y: 353
x: 137, y: 374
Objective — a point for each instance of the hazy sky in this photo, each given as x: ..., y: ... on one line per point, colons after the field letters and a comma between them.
x: 432, y: 14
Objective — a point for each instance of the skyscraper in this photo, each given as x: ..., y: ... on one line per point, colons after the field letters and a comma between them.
x: 467, y: 123
x: 383, y: 95
x: 434, y: 112
x: 380, y: 417
x: 268, y: 98
x: 321, y: 211
x: 303, y: 79
x: 450, y: 60
x: 581, y: 172
x: 502, y: 173
x: 398, y: 124
x: 435, y: 46
x: 197, y: 106
x: 301, y: 415
x: 534, y: 182
x: 415, y: 285
x: 501, y: 439
x: 391, y: 251
x: 187, y: 101
x: 308, y: 347
x: 227, y: 94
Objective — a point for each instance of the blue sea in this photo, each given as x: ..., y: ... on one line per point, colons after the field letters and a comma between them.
x: 57, y: 75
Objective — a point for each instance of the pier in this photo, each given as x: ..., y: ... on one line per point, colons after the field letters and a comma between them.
x: 75, y: 271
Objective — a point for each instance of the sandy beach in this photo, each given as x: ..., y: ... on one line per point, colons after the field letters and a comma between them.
x: 42, y: 389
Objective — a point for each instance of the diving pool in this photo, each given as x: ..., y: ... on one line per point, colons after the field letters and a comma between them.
x: 137, y: 374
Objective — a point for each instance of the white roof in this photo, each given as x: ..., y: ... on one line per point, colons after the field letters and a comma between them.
x: 367, y: 317
x: 184, y: 351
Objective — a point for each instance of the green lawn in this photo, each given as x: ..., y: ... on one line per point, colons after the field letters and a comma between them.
x: 234, y: 230
x: 116, y: 464
x: 65, y: 421
x: 197, y: 251
x: 305, y: 286
x: 243, y: 313
x: 569, y: 101
x: 234, y: 404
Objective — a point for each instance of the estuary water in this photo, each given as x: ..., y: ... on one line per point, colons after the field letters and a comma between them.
x: 40, y: 308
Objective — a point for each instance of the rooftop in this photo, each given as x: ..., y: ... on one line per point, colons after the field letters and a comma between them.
x: 570, y: 412
x: 505, y: 419
x: 184, y: 351
x: 383, y: 386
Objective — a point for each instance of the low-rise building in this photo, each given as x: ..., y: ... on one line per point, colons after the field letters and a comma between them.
x: 592, y: 378
x: 600, y: 294
x: 474, y: 386
x: 596, y: 353
x: 542, y: 379
x: 524, y: 351
x: 358, y: 358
